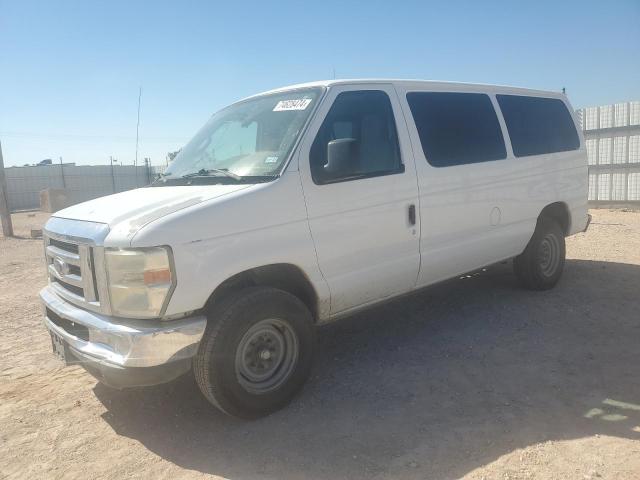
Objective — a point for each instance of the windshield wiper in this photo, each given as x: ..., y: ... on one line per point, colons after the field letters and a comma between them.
x: 212, y: 172
x: 162, y: 177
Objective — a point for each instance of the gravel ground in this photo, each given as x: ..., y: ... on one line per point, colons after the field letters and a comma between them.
x: 473, y: 378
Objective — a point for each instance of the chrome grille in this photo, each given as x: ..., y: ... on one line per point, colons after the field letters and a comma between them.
x: 70, y: 269
x: 74, y: 255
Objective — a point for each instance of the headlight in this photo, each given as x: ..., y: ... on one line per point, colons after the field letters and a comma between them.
x: 140, y: 280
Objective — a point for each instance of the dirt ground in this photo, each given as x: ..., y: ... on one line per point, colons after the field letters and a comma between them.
x: 474, y: 378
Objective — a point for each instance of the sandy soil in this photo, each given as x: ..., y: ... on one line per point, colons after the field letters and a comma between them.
x: 474, y: 378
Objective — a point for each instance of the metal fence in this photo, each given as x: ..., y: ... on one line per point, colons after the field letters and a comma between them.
x: 81, y: 182
x: 612, y: 136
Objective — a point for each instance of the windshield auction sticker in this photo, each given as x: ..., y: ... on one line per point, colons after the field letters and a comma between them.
x: 298, y: 104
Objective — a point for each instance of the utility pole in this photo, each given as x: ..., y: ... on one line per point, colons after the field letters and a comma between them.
x: 135, y: 163
x: 5, y: 214
x: 147, y: 164
x: 113, y: 180
x: 64, y: 183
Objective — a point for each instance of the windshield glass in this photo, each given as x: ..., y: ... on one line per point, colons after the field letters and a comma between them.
x: 246, y: 140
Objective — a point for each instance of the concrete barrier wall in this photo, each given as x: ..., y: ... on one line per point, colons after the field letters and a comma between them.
x: 82, y: 183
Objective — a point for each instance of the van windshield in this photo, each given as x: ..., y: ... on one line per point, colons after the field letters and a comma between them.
x: 247, y: 141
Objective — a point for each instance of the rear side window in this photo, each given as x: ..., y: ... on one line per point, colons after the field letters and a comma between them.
x: 457, y: 128
x: 361, y: 123
x: 538, y: 125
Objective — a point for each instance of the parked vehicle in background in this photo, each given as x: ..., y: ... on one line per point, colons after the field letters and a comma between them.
x: 301, y: 205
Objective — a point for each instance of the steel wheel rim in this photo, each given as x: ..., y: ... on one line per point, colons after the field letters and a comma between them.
x: 266, y: 356
x: 549, y: 255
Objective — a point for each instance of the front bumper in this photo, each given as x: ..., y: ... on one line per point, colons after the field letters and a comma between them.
x: 121, y: 352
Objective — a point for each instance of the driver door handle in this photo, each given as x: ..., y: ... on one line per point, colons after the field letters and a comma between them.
x: 412, y: 214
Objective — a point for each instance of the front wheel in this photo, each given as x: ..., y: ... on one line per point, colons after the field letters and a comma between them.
x: 540, y: 266
x: 256, y: 352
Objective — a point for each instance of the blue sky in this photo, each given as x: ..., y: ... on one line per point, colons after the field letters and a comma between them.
x: 70, y: 70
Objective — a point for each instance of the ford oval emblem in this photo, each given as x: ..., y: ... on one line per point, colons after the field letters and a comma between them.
x: 61, y: 266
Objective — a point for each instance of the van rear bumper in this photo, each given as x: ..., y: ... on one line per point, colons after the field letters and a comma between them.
x: 119, y: 352
x: 579, y: 219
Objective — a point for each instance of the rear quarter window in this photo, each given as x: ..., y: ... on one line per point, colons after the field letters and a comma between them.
x: 538, y: 125
x: 456, y: 128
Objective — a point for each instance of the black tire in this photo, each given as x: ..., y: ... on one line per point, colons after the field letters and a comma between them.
x: 540, y: 266
x: 248, y: 334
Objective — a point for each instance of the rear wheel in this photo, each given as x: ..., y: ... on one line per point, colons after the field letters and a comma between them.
x: 540, y: 266
x: 256, y: 352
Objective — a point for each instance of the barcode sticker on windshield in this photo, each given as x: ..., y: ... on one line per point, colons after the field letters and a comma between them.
x: 298, y: 104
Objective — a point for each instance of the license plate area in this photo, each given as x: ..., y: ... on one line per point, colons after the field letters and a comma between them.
x: 59, y: 347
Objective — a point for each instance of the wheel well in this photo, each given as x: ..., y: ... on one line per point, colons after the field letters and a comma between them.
x: 559, y: 212
x: 283, y: 276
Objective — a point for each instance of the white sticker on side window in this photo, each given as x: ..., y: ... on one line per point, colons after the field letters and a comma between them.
x: 298, y: 104
x: 271, y: 160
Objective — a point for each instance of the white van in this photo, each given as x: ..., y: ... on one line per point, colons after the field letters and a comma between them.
x: 298, y: 206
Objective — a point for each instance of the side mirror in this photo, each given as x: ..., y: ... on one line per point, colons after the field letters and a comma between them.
x: 340, y: 155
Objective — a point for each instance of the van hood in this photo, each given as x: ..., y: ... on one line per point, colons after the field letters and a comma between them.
x: 134, y: 209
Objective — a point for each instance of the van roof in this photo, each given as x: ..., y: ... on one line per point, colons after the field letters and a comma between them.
x: 421, y: 84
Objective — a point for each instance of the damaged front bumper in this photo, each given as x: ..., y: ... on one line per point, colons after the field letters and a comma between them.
x: 121, y: 352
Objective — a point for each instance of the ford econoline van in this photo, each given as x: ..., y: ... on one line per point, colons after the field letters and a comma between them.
x: 301, y: 205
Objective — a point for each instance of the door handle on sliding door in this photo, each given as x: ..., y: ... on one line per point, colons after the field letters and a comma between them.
x: 412, y: 214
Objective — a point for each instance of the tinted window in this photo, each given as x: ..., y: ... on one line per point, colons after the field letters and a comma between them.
x: 538, y: 125
x: 457, y: 128
x: 362, y: 124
